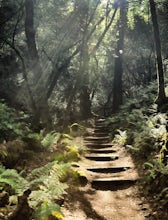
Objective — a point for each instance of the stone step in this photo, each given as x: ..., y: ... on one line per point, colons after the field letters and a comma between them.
x: 101, y: 158
x: 108, y: 169
x: 100, y: 142
x: 101, y: 126
x: 97, y: 139
x: 100, y: 123
x: 100, y: 120
x: 101, y: 151
x: 101, y: 134
x: 97, y: 146
x: 96, y: 143
x: 101, y: 130
x: 112, y: 184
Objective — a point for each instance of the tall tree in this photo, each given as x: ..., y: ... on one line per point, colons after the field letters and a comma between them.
x: 42, y: 113
x: 85, y: 16
x: 85, y: 103
x: 161, y: 87
x: 118, y: 63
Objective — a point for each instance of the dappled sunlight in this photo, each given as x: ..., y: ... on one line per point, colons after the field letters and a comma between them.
x: 83, y: 109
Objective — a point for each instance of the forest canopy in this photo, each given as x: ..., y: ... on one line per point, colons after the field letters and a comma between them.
x: 64, y: 60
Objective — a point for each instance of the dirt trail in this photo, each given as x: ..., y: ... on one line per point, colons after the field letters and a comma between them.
x: 111, y: 192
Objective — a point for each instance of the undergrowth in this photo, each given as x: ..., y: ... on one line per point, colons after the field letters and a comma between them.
x: 142, y: 130
x: 155, y: 181
x: 46, y: 185
x: 11, y: 181
x: 12, y: 123
x: 49, y: 183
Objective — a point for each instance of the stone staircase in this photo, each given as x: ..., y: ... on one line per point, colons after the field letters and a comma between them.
x: 108, y: 166
x: 110, y: 191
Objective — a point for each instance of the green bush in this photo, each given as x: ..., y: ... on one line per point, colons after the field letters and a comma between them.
x: 12, y: 123
x: 121, y: 137
x: 48, y: 184
x: 146, y: 140
x: 51, y: 139
x: 156, y: 180
x: 11, y: 181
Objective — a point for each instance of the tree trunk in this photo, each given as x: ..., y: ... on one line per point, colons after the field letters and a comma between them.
x: 105, y: 31
x: 118, y: 63
x: 81, y: 86
x: 42, y: 114
x: 85, y: 102
x: 160, y: 75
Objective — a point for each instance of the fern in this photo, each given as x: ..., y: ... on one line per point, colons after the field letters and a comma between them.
x: 163, y: 193
x: 70, y: 154
x: 39, y: 175
x: 148, y: 165
x: 156, y: 180
x: 48, y: 209
x: 46, y: 183
x: 37, y: 136
x: 12, y: 123
x: 67, y: 136
x: 11, y: 180
x: 120, y: 138
x: 76, y: 129
x: 51, y: 139
x: 146, y: 139
x: 41, y: 171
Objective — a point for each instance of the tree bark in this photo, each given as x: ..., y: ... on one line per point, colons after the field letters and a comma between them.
x: 31, y: 97
x: 42, y: 114
x: 31, y: 41
x: 105, y: 31
x: 85, y: 102
x: 160, y: 74
x: 81, y: 85
x: 118, y: 63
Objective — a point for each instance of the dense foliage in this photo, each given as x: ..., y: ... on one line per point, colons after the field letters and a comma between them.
x: 143, y: 132
x: 60, y: 57
x: 63, y: 62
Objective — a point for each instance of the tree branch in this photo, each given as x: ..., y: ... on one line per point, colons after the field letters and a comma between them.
x: 104, y: 32
x: 33, y: 104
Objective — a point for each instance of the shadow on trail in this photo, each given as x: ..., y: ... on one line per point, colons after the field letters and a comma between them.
x: 113, y: 185
x: 88, y: 209
x: 86, y: 206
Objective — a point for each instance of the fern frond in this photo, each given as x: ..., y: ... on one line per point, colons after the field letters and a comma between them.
x: 46, y: 209
x: 50, y: 139
x: 148, y: 165
x: 13, y: 179
x: 41, y: 171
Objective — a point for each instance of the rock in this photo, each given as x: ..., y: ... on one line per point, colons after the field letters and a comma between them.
x: 83, y: 180
x: 23, y: 211
x: 148, y: 215
x: 2, y: 216
x: 4, y: 199
x: 59, y: 200
x: 14, y: 149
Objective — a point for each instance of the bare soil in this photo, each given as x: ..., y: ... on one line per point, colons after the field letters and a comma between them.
x: 107, y: 195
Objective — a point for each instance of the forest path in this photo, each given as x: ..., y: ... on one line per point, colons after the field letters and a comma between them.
x: 111, y: 192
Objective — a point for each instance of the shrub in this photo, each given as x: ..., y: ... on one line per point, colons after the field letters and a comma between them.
x: 51, y: 139
x: 12, y: 123
x: 46, y: 186
x: 11, y: 181
x: 156, y: 180
x: 121, y: 137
